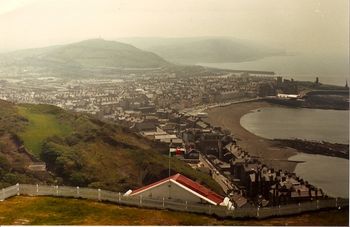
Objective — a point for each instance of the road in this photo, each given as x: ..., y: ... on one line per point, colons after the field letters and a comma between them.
x: 201, y: 108
x: 225, y: 183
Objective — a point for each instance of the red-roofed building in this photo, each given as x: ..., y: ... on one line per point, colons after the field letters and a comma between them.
x: 178, y: 187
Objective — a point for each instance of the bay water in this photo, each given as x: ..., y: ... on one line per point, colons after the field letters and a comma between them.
x: 303, y: 67
x: 329, y: 173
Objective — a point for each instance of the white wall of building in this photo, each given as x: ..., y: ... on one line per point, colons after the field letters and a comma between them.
x: 175, y: 191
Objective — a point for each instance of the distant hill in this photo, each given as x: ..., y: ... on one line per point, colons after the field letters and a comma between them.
x: 204, y: 49
x: 87, y: 57
x: 80, y: 150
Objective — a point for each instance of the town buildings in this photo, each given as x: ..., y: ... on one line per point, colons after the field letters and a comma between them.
x: 152, y: 105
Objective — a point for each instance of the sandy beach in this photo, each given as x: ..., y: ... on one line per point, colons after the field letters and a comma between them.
x: 228, y: 117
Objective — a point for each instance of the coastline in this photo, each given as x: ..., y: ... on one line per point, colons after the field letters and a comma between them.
x: 324, y: 148
x: 269, y: 153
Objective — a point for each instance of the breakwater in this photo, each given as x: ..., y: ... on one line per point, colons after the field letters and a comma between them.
x: 313, y: 147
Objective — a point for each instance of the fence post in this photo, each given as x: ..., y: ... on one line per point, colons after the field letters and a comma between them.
x: 56, y: 190
x: 257, y: 212
x: 119, y: 197
x: 78, y: 192
x: 317, y: 206
x: 232, y: 210
x: 37, y: 189
x: 140, y: 200
x: 299, y: 207
x: 99, y: 194
x: 279, y: 209
x: 336, y: 202
x: 186, y: 205
x: 163, y: 203
x: 17, y: 188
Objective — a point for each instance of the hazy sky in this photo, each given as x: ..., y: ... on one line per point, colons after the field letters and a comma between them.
x: 297, y: 25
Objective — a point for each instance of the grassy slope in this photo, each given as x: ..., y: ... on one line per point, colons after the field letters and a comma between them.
x: 13, y: 163
x: 59, y: 211
x: 83, y: 58
x: 87, y: 152
x: 41, y: 126
x: 10, y: 121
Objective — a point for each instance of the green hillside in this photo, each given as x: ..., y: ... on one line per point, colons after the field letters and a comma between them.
x: 89, y: 57
x: 101, y: 53
x: 41, y: 126
x: 80, y: 150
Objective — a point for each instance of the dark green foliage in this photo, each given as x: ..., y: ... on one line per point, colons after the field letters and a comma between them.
x: 2, y: 147
x: 4, y: 164
x: 78, y: 179
x: 49, y: 155
x: 61, y: 159
x: 73, y: 139
x: 10, y: 178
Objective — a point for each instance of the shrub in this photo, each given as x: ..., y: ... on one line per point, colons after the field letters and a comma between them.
x: 10, y: 178
x: 4, y: 164
x: 78, y: 179
x: 72, y: 140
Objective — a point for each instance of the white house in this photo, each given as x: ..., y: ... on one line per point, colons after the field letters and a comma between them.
x: 179, y: 187
x: 287, y: 96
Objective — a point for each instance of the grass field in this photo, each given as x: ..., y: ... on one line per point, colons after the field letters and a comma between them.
x: 40, y: 127
x: 59, y: 211
x: 91, y: 153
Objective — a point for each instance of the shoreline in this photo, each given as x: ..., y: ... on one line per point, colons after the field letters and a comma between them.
x: 267, y: 150
x: 273, y: 152
x: 323, y: 148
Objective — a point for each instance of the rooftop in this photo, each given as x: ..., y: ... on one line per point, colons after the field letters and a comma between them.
x: 189, y: 184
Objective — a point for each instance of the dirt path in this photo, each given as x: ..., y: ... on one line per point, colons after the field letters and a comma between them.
x: 228, y: 117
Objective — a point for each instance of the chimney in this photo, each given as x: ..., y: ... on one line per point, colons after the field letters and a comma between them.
x: 220, y: 149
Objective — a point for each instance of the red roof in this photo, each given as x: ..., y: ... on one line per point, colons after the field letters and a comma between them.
x: 188, y: 183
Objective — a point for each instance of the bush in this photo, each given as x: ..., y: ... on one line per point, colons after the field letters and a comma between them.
x: 2, y: 146
x: 78, y: 179
x: 72, y: 140
x: 10, y: 178
x: 4, y: 164
x: 49, y: 154
x: 96, y: 184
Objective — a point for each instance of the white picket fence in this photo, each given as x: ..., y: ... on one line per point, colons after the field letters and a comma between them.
x: 9, y: 192
x: 118, y: 198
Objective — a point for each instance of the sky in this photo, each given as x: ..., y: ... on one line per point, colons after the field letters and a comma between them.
x: 313, y: 26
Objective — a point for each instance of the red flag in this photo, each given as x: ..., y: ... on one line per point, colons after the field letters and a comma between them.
x: 178, y: 151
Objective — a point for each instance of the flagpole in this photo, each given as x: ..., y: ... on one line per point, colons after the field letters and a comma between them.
x: 171, y: 143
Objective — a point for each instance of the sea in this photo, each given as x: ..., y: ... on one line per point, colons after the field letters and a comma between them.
x: 329, y: 173
x: 303, y: 123
x: 303, y: 67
